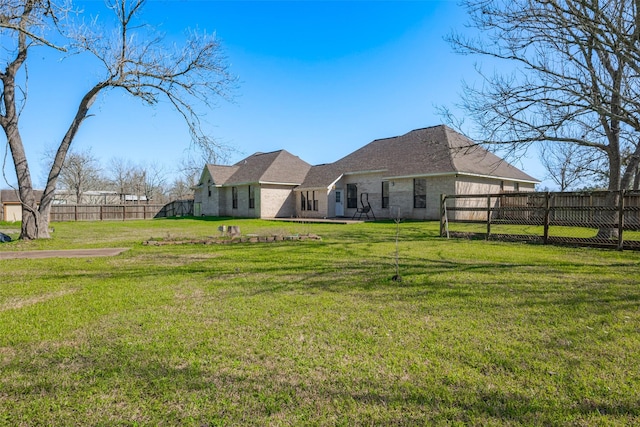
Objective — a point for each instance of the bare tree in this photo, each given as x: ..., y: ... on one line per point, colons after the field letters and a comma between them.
x: 571, y: 166
x: 137, y: 182
x: 121, y: 172
x: 181, y: 189
x: 153, y: 180
x: 574, y: 80
x: 635, y: 184
x: 81, y: 172
x: 133, y: 58
x: 193, y: 162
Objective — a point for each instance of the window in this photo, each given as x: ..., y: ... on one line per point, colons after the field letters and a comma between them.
x: 352, y: 196
x: 385, y: 194
x: 420, y: 193
x: 234, y: 197
x: 516, y: 186
x: 308, y: 203
x: 252, y: 197
x: 209, y: 187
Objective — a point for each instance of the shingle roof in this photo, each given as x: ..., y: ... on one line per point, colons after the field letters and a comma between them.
x: 422, y: 152
x: 220, y: 174
x: 279, y: 167
x: 12, y: 196
x: 471, y: 158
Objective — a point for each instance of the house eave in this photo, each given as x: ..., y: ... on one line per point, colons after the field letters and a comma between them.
x: 335, y: 181
x: 456, y: 174
x: 364, y: 172
x: 288, y: 184
x: 239, y: 184
x: 327, y: 188
x: 312, y: 189
x: 502, y: 178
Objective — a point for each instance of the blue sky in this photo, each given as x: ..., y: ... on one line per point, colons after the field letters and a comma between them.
x: 319, y: 79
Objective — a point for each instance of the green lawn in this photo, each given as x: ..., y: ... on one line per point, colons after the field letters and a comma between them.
x: 316, y: 332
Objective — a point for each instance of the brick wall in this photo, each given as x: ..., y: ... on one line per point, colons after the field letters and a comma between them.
x: 277, y: 201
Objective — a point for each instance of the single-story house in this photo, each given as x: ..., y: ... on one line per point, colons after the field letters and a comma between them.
x: 11, y: 208
x: 402, y: 176
x: 259, y: 186
x: 406, y: 175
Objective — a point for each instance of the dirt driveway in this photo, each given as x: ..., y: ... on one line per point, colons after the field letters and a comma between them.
x: 68, y: 253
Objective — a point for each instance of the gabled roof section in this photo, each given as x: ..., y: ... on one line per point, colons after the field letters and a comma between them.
x: 321, y: 176
x: 436, y: 150
x: 220, y: 174
x: 471, y: 158
x: 277, y: 167
x: 285, y: 168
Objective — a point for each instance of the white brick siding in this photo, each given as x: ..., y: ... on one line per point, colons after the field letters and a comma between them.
x: 277, y: 201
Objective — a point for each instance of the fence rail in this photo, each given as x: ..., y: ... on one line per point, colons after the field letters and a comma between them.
x: 603, y: 218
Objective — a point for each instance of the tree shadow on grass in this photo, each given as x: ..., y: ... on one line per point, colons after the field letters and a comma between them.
x: 121, y: 376
x: 112, y: 381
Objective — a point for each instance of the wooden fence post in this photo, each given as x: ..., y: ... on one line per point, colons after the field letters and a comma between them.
x: 547, y: 217
x: 488, y: 215
x: 621, y: 208
x: 443, y: 213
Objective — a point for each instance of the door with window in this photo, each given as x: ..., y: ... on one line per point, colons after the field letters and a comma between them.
x: 339, y: 203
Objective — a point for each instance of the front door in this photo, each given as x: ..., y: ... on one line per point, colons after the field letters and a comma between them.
x: 339, y: 203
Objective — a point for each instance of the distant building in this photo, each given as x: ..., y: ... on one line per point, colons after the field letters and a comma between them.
x: 10, y: 206
x: 96, y: 197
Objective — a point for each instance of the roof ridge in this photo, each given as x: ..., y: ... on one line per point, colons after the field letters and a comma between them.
x: 260, y: 153
x: 411, y: 131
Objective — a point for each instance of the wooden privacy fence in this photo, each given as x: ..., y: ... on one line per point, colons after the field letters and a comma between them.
x: 60, y: 213
x: 599, y: 218
x: 176, y: 208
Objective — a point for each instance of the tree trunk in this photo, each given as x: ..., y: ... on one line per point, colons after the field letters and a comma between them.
x: 613, y: 195
x: 609, y: 217
x: 30, y: 217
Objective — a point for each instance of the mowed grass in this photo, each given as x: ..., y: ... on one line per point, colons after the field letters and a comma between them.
x: 316, y: 332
